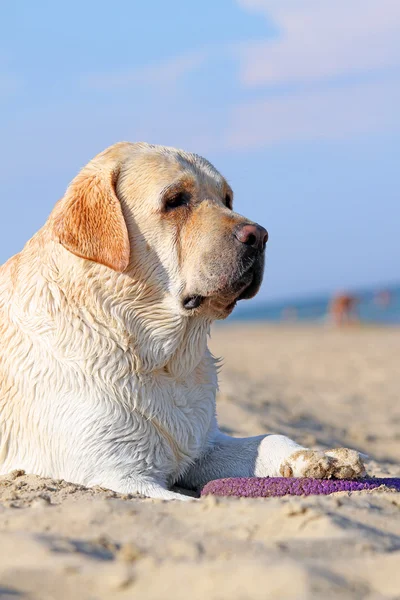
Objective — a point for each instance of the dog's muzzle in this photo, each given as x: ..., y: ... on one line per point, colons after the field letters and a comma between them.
x: 245, y: 278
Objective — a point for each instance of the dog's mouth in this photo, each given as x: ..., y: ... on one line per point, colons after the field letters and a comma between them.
x: 192, y: 302
x: 242, y: 288
x: 251, y: 286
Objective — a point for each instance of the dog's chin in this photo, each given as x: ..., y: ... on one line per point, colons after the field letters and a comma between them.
x: 220, y: 304
x: 251, y: 287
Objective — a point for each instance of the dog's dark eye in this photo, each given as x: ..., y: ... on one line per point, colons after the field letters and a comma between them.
x: 178, y: 199
x: 228, y: 201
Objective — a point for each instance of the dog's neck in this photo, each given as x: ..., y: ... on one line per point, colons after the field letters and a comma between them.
x: 118, y: 314
x: 153, y: 334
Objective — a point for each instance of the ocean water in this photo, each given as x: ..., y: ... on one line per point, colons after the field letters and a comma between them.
x: 379, y: 305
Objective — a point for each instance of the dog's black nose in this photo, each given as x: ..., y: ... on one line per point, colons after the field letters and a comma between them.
x: 252, y: 235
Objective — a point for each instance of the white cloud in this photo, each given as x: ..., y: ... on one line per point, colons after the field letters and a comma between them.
x: 331, y: 114
x: 166, y: 73
x: 319, y: 39
x: 319, y: 46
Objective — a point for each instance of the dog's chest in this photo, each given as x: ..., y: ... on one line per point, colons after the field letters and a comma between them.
x: 180, y: 417
x: 156, y: 419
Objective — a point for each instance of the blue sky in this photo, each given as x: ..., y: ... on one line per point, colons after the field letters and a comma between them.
x: 295, y: 101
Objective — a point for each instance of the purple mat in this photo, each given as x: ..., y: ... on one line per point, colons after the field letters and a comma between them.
x: 253, y: 487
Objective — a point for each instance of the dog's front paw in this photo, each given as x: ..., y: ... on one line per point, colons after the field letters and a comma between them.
x: 307, y: 463
x: 348, y: 463
x: 341, y: 463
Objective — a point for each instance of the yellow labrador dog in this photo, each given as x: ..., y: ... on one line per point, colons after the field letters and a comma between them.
x: 105, y: 374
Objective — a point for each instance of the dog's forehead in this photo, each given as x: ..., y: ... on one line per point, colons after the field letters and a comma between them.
x: 164, y: 164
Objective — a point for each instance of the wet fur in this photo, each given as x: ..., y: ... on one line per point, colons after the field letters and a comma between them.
x: 104, y: 378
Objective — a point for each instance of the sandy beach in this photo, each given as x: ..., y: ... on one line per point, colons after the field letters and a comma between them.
x: 321, y: 386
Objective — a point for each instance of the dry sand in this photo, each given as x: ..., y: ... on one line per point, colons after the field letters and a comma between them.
x: 324, y: 388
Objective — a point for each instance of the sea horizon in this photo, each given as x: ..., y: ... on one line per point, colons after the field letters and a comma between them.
x: 378, y: 304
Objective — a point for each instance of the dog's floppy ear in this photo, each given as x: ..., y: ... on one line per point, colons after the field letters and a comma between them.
x: 90, y: 222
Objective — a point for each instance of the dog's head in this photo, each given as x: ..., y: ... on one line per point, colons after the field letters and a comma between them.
x: 164, y: 218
